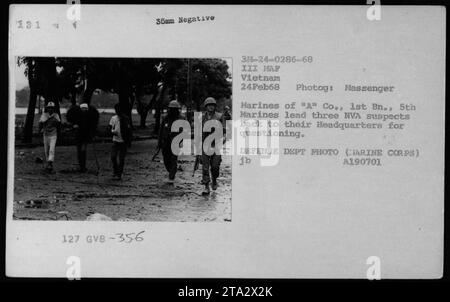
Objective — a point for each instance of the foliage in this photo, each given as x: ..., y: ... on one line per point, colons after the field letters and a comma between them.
x: 208, y: 77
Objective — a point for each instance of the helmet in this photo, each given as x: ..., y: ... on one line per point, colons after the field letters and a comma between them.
x: 210, y: 101
x: 174, y: 104
x: 50, y: 104
x: 227, y: 107
x: 84, y: 106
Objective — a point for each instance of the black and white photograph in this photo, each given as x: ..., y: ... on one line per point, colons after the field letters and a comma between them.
x: 225, y: 142
x: 93, y: 139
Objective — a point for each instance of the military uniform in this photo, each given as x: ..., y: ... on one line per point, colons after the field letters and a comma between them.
x: 165, y: 141
x: 211, y: 163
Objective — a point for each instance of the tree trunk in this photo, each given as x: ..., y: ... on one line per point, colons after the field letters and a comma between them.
x: 58, y: 107
x: 142, y: 107
x: 130, y: 111
x: 198, y: 103
x: 143, y: 114
x: 29, y: 121
x: 158, y: 108
x: 50, y: 89
x: 73, y: 97
x: 124, y: 101
x: 87, y: 95
x: 157, y: 120
x: 49, y: 68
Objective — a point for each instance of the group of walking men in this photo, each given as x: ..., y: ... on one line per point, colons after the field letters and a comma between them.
x: 84, y: 119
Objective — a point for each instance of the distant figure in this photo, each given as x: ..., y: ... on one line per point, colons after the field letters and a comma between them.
x: 120, y: 128
x: 85, y: 120
x: 210, y: 162
x: 165, y: 139
x: 227, y: 113
x: 49, y: 124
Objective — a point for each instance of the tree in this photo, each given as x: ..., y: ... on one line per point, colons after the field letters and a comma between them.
x: 41, y: 74
x: 48, y: 77
x: 71, y: 78
x: 207, y: 77
x: 148, y: 83
x: 125, y: 76
x: 30, y: 68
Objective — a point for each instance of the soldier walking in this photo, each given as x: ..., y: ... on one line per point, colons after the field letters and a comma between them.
x: 210, y: 162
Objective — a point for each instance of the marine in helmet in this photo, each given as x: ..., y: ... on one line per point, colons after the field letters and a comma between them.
x: 210, y: 163
x: 165, y: 139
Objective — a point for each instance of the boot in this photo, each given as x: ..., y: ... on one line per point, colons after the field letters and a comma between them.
x: 206, y: 190
x: 170, y: 181
x: 214, y: 184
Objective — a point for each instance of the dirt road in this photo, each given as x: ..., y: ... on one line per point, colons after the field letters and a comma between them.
x: 141, y: 195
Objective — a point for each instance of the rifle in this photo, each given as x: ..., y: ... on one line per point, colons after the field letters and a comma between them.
x: 156, y: 153
x: 196, y: 164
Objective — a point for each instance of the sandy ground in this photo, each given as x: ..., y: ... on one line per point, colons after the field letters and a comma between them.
x: 142, y: 194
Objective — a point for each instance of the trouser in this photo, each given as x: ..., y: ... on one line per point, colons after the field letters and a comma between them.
x: 170, y: 161
x: 49, y: 147
x: 118, y: 151
x: 81, y: 152
x: 210, y: 162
